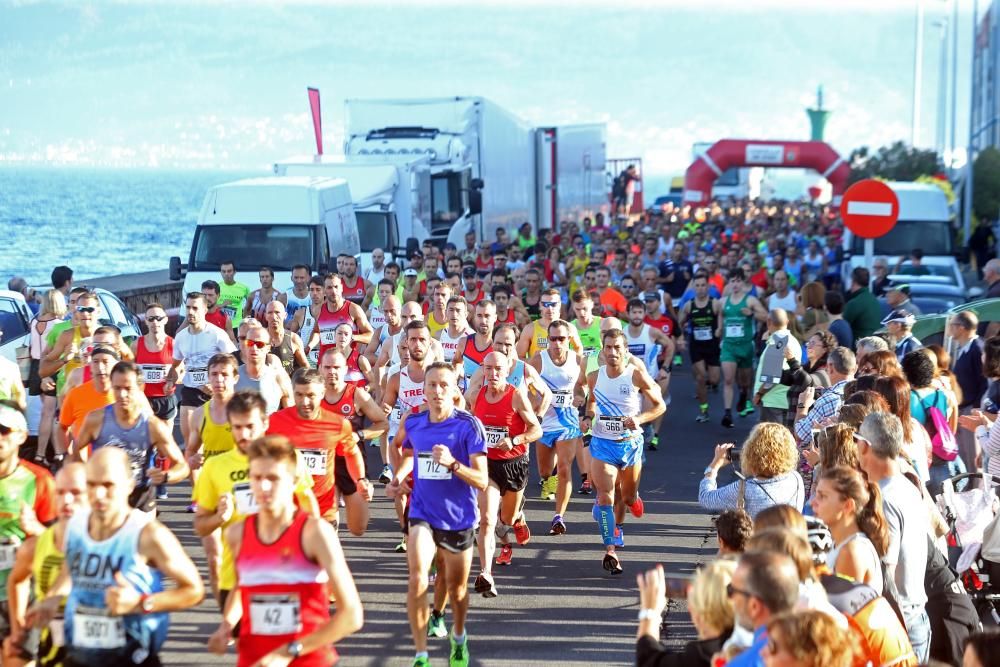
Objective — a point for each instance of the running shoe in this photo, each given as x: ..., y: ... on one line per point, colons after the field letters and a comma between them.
x: 485, y: 586
x: 702, y: 417
x: 506, y: 554
x: 678, y: 360
x: 586, y: 488
x: 637, y: 507
x: 436, y: 626
x: 422, y: 661
x: 654, y: 442
x: 459, y: 654
x: 161, y: 493
x: 558, y: 526
x: 727, y: 420
x: 612, y: 564
x: 618, y: 539
x: 549, y: 488
x: 401, y: 547
x: 747, y: 409
x: 386, y: 475
x: 521, y: 531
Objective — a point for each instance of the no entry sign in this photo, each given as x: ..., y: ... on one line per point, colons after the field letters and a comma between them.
x: 869, y: 208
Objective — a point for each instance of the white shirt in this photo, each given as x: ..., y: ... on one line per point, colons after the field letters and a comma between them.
x: 195, y: 350
x: 373, y: 276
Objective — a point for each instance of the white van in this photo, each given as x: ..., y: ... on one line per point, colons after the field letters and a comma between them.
x: 275, y: 221
x: 925, y: 222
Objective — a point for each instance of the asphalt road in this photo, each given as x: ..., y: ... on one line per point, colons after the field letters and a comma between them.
x: 557, y: 606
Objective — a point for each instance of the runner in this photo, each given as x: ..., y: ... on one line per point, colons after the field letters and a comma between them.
x: 589, y: 329
x: 26, y: 505
x: 259, y: 373
x: 355, y: 287
x: 504, y: 341
x: 92, y: 395
x: 359, y: 371
x: 437, y: 314
x: 474, y: 347
x: 285, y: 345
x: 329, y: 447
x: 193, y: 347
x: 702, y: 312
x: 222, y: 493
x: 531, y: 295
x: 510, y: 424
x: 457, y: 330
x: 382, y: 351
x: 288, y: 564
x: 259, y: 299
x: 214, y: 313
x: 383, y: 290
x: 564, y: 371
x: 129, y: 425
x: 112, y: 577
x: 736, y: 329
x: 298, y: 296
x: 449, y: 446
x: 232, y: 295
x: 335, y: 310
x: 535, y: 337
x: 646, y: 343
x: 107, y: 336
x: 614, y: 413
x: 304, y: 322
x: 154, y: 354
x: 39, y: 559
x: 68, y: 350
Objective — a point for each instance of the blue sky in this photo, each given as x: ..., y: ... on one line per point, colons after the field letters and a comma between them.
x: 203, y: 84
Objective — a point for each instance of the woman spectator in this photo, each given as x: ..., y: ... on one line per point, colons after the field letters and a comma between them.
x: 813, y: 374
x: 859, y: 405
x: 555, y: 272
x: 52, y: 312
x: 733, y: 528
x: 880, y: 364
x: 946, y: 381
x: 711, y: 612
x: 768, y: 461
x: 920, y: 369
x: 781, y: 516
x: 852, y: 508
x: 808, y: 639
x: 525, y: 239
x: 812, y: 314
x: 916, y: 443
x: 834, y: 447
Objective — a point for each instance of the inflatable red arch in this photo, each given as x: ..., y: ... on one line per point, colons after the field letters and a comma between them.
x: 817, y: 155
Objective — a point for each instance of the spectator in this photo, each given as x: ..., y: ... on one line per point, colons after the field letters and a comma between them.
x: 982, y: 648
x: 899, y: 323
x: 880, y: 442
x: 780, y: 516
x: 986, y: 430
x: 773, y: 397
x: 764, y: 586
x: 833, y: 303
x: 20, y: 285
x: 867, y: 345
x: 809, y: 639
x: 768, y: 476
x: 898, y: 298
x: 734, y: 528
x: 968, y: 369
x: 916, y: 266
x: 62, y: 280
x: 882, y: 363
x: 810, y: 414
x: 862, y: 310
x: 953, y: 616
x: 919, y: 369
x: 810, y: 309
x: 859, y: 405
x: 991, y: 276
x: 916, y: 443
x: 711, y: 612
x: 881, y: 283
x: 813, y: 374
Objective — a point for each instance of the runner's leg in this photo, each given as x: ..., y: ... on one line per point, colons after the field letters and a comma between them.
x: 357, y: 513
x: 420, y: 552
x: 566, y: 451
x: 489, y: 503
x: 457, y: 568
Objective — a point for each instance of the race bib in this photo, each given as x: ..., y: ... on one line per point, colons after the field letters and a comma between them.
x: 315, y: 460
x: 397, y: 414
x: 246, y: 504
x: 562, y: 398
x: 638, y: 349
x: 153, y: 374
x: 327, y: 336
x: 57, y: 632
x: 198, y: 376
x: 611, y: 425
x: 275, y: 615
x: 228, y: 311
x: 734, y: 330
x: 591, y: 351
x: 314, y: 357
x: 703, y: 333
x: 95, y: 629
x: 494, y: 436
x: 429, y: 469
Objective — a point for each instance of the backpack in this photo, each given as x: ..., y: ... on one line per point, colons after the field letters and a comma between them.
x: 943, y: 442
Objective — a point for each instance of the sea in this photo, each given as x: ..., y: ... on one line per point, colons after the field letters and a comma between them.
x: 99, y: 222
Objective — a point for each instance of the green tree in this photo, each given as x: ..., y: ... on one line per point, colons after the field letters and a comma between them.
x: 897, y: 162
x: 986, y: 184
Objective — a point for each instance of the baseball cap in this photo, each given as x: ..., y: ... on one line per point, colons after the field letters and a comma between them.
x: 900, y: 315
x: 469, y: 271
x: 13, y: 418
x: 902, y: 287
x: 104, y: 349
x: 650, y: 296
x: 410, y: 273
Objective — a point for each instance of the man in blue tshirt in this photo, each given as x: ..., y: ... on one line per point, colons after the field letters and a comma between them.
x: 765, y: 584
x: 445, y: 450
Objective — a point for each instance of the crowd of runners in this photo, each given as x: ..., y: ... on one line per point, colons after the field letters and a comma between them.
x: 435, y: 380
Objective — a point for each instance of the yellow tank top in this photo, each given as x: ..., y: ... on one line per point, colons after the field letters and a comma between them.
x: 46, y: 563
x: 215, y: 438
x: 539, y: 338
x: 433, y: 325
x: 76, y: 361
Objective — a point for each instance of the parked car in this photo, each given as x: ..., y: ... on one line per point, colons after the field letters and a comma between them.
x: 659, y: 205
x: 933, y: 328
x: 115, y: 313
x: 14, y: 319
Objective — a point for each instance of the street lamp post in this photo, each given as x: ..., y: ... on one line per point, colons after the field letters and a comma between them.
x: 918, y: 57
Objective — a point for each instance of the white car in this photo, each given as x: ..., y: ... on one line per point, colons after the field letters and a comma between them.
x: 15, y: 317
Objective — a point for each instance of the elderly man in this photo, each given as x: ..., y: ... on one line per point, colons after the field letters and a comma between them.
x: 20, y: 285
x: 898, y: 298
x: 899, y: 323
x: 881, y: 282
x: 810, y: 413
x: 867, y: 345
x: 967, y: 365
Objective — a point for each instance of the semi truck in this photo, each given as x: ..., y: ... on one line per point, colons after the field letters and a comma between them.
x: 488, y: 169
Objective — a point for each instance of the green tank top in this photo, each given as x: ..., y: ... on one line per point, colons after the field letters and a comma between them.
x: 736, y: 327
x: 591, y: 339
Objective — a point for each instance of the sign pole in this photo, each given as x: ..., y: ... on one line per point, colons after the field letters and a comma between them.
x: 869, y: 253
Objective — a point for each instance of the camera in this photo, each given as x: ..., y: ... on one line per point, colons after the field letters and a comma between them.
x: 733, y: 456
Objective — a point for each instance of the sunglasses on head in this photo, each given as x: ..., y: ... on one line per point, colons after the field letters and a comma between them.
x: 259, y: 344
x: 156, y: 318
x: 86, y: 309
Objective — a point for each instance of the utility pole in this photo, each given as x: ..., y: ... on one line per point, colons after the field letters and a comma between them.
x: 970, y: 155
x: 918, y: 57
x: 952, y: 142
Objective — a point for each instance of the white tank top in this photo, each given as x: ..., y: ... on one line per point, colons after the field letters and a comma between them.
x: 306, y: 332
x: 787, y: 303
x: 617, y: 398
x: 376, y: 318
x: 862, y: 539
x: 410, y: 395
x: 449, y: 345
x: 643, y: 347
x: 561, y: 414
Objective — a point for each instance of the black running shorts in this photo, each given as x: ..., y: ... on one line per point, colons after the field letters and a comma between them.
x: 455, y: 541
x: 509, y: 474
x: 194, y: 398
x: 707, y: 352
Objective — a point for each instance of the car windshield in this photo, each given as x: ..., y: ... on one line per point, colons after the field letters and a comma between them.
x: 252, y: 246
x: 931, y: 236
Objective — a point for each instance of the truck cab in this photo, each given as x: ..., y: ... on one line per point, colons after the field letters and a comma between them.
x: 273, y: 221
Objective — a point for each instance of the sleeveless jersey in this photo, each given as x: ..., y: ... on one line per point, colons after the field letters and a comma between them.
x: 534, y: 309
x: 329, y: 320
x: 355, y: 292
x: 562, y: 414
x: 591, y: 339
x: 393, y: 341
x: 508, y: 318
x: 215, y: 438
x: 266, y: 384
x: 306, y: 332
x: 500, y: 421
x: 516, y: 375
x: 449, y: 345
x: 30, y: 485
x: 345, y: 407
x: 472, y: 357
x: 736, y: 327
x: 354, y: 375
x: 294, y: 303
x: 643, y: 347
x: 134, y: 441
x: 703, y: 322
x: 285, y: 595
x: 218, y: 318
x: 153, y: 366
x: 788, y: 303
x: 409, y: 397
x: 83, y: 345
x: 46, y: 562
x: 663, y: 323
x: 376, y: 318
x: 258, y: 308
x: 617, y: 398
x: 285, y: 353
x: 92, y: 636
x: 539, y: 338
x: 432, y: 323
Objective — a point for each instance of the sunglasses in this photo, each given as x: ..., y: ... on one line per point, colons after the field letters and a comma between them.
x: 549, y: 304
x: 859, y: 438
x: 557, y: 339
x: 5, y: 430
x: 86, y: 309
x: 259, y: 344
x: 732, y: 591
x: 156, y: 318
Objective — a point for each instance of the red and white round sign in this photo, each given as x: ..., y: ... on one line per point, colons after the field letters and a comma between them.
x: 870, y: 208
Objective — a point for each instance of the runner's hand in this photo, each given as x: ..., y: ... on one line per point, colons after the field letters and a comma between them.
x: 195, y: 461
x: 221, y: 639
x: 157, y: 476
x: 396, y: 488
x: 277, y: 658
x: 365, y: 487
x: 48, y: 384
x: 630, y: 423
x: 505, y: 445
x: 41, y: 613
x: 442, y: 455
x: 746, y: 311
x: 225, y: 508
x: 29, y: 521
x: 652, y: 590
x: 122, y: 598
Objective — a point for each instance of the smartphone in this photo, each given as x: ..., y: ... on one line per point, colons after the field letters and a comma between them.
x: 733, y: 455
x: 815, y: 437
x: 677, y: 587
